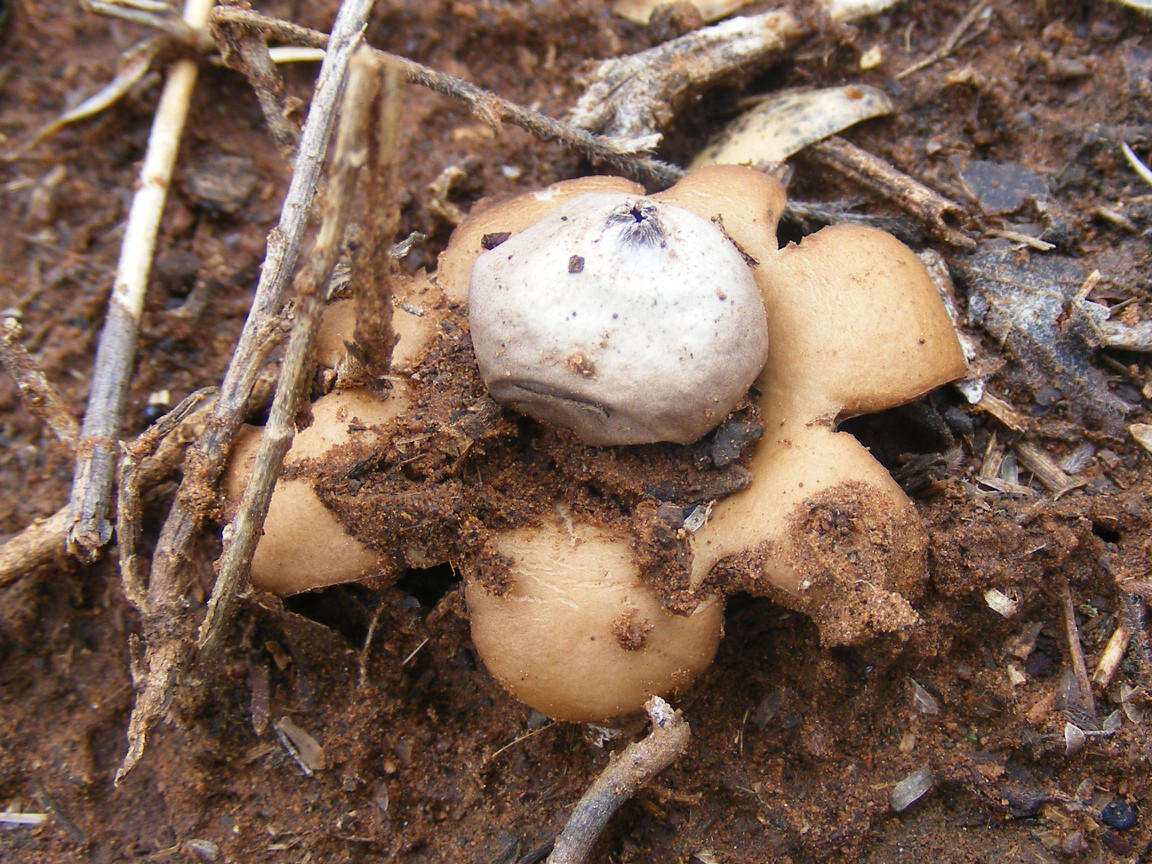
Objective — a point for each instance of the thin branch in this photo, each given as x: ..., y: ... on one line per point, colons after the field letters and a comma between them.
x: 180, y: 29
x: 38, y: 544
x: 1076, y: 650
x: 639, y: 763
x: 137, y: 466
x: 246, y: 50
x: 373, y: 267
x: 169, y: 629
x: 492, y: 109
x: 96, y: 452
x: 349, y: 157
x: 927, y: 205
x: 36, y: 391
x: 950, y: 43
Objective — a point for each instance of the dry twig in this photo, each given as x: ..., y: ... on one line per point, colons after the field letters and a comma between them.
x: 142, y: 465
x: 1076, y: 650
x: 1112, y: 656
x: 639, y: 763
x: 36, y: 391
x: 929, y: 207
x: 96, y: 452
x: 634, y: 97
x: 351, y: 154
x: 489, y: 107
x: 950, y: 43
x: 168, y: 628
x: 373, y: 267
x: 246, y: 50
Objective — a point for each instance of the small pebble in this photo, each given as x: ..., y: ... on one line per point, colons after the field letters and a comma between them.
x: 1118, y: 814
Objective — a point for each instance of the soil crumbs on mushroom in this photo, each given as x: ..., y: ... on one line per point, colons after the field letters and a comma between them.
x: 795, y: 746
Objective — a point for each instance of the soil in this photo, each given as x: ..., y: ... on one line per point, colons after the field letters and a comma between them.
x: 796, y: 747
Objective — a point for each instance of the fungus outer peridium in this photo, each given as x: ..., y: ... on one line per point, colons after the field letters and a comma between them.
x: 530, y: 656
x: 855, y: 326
x: 577, y: 634
x: 656, y: 335
x: 303, y: 545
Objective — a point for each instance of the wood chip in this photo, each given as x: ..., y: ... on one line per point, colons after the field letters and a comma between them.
x: 1003, y: 412
x: 1142, y: 432
x: 305, y: 749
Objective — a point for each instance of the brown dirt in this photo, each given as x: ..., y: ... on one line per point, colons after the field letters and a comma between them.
x: 795, y: 746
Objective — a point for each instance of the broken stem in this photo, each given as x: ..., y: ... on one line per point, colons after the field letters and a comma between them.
x: 373, y: 267
x: 36, y: 391
x: 96, y: 454
x: 1076, y: 650
x: 168, y: 626
x: 142, y: 465
x: 246, y: 50
x: 489, y: 107
x: 639, y: 763
x: 349, y: 157
x: 928, y: 206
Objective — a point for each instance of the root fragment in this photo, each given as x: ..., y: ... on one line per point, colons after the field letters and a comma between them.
x: 639, y: 763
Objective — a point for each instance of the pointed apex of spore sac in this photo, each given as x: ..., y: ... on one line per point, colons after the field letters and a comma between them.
x: 637, y: 223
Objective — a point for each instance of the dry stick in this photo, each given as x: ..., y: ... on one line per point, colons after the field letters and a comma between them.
x: 1076, y: 650
x: 349, y: 157
x: 46, y: 540
x: 140, y: 456
x: 949, y: 44
x: 37, y: 544
x: 928, y: 206
x: 96, y: 454
x: 1112, y: 656
x: 373, y: 267
x: 168, y: 630
x: 487, y: 106
x: 178, y: 29
x: 639, y: 763
x: 37, y: 393
x: 246, y: 50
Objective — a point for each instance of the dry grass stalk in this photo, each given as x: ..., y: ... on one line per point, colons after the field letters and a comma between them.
x: 1113, y: 655
x: 639, y: 763
x: 96, y: 454
x: 350, y: 156
x: 950, y: 43
x: 36, y: 391
x: 927, y: 206
x: 492, y: 109
x: 373, y: 267
x: 246, y: 50
x: 1076, y: 650
x: 168, y: 629
x: 141, y: 466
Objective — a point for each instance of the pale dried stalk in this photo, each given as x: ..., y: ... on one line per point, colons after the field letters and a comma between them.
x: 38, y: 544
x: 350, y: 155
x: 96, y: 454
x: 169, y: 630
x: 492, y: 109
x: 1113, y: 655
x: 639, y: 763
x: 373, y: 267
x: 634, y: 97
x: 928, y: 206
x: 139, y: 467
x: 1076, y: 650
x: 36, y: 391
